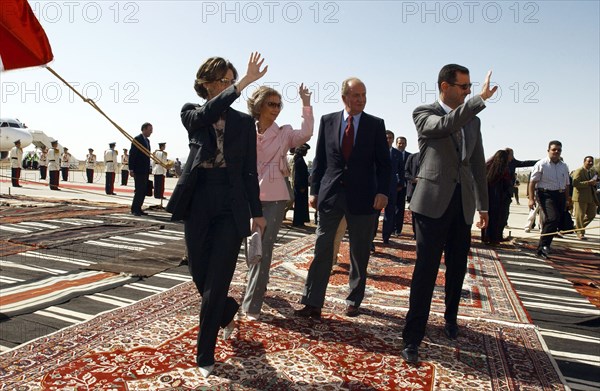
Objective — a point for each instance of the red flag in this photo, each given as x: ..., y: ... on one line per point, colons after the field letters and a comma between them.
x: 23, y: 42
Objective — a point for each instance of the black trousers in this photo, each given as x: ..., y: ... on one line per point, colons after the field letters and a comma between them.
x: 213, y: 244
x: 159, y: 186
x: 54, y: 180
x: 15, y: 174
x: 43, y: 171
x: 65, y: 173
x: 89, y: 172
x: 109, y: 187
x: 400, y: 206
x: 139, y: 194
x: 552, y: 205
x: 452, y: 235
x: 124, y: 177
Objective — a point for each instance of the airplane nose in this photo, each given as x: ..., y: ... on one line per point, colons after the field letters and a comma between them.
x: 8, y: 136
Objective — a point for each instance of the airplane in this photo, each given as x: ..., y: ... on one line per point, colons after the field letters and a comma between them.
x: 12, y: 130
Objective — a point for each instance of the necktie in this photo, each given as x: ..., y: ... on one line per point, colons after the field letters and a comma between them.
x: 459, y: 140
x: 348, y: 139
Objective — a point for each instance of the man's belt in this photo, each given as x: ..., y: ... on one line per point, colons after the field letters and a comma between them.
x: 16, y: 158
x: 109, y: 161
x: 550, y: 191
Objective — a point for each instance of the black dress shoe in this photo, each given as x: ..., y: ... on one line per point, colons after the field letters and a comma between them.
x: 451, y: 330
x: 352, y: 311
x: 544, y: 252
x: 308, y: 312
x: 410, y: 353
x: 140, y: 213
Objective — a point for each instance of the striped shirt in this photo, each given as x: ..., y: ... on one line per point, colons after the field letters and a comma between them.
x: 549, y: 175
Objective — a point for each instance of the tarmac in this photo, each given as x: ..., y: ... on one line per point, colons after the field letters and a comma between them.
x: 574, y: 345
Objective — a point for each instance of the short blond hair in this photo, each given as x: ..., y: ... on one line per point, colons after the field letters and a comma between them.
x: 256, y: 101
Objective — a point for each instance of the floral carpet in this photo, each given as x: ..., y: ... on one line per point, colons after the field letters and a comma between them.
x: 151, y: 345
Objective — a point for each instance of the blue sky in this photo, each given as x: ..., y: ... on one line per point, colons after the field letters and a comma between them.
x: 138, y: 60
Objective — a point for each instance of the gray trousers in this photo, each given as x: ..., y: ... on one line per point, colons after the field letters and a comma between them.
x: 258, y: 275
x: 360, y: 231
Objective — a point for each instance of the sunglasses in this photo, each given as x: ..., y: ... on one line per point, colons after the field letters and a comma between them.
x: 275, y: 105
x: 464, y: 87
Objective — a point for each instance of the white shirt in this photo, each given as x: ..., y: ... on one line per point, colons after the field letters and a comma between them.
x: 549, y: 175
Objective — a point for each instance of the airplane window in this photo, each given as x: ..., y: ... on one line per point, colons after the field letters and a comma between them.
x: 13, y: 125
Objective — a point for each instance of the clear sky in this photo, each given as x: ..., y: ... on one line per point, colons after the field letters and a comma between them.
x: 138, y: 60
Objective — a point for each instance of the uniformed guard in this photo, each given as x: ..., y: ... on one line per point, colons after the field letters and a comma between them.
x: 110, y: 164
x: 90, y: 164
x: 43, y: 163
x: 124, y: 168
x: 54, y: 165
x: 65, y: 162
x: 159, y: 171
x: 16, y: 162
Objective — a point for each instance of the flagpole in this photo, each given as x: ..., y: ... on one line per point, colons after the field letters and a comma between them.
x: 141, y: 147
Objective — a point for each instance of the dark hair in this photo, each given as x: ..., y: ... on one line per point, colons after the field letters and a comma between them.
x: 388, y: 132
x: 448, y: 74
x: 213, y: 69
x: 145, y: 125
x: 554, y: 142
x: 496, y: 166
x: 588, y: 157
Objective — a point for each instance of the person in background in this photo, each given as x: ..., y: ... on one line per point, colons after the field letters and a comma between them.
x: 110, y: 166
x: 411, y: 174
x: 272, y: 145
x: 217, y: 194
x: 397, y: 184
x: 139, y: 168
x: 159, y: 171
x: 516, y: 185
x: 54, y: 165
x: 16, y: 160
x: 513, y: 164
x: 401, y: 189
x: 549, y: 187
x: 177, y: 167
x: 300, y: 185
x: 43, y: 162
x: 124, y: 168
x: 500, y: 188
x: 90, y: 164
x: 585, y: 199
x: 65, y: 163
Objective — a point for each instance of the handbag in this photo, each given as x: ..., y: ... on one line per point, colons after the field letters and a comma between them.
x: 289, y: 187
x: 149, y: 188
x: 253, y: 248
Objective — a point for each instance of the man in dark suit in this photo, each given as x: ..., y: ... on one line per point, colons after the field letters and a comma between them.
x: 139, y: 168
x: 452, y: 184
x: 401, y: 188
x: 350, y: 179
x: 396, y: 180
x: 411, y: 172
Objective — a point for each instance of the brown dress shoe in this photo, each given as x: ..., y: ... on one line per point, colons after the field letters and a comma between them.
x: 352, y: 311
x: 308, y: 312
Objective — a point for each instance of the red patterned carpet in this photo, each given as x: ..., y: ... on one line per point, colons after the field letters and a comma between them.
x: 151, y: 344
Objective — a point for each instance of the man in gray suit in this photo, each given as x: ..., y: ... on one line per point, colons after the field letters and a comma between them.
x: 452, y: 184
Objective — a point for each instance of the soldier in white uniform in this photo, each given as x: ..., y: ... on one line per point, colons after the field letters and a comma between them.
x: 159, y: 171
x: 65, y: 162
x: 43, y: 163
x: 110, y: 163
x: 90, y: 164
x: 16, y: 162
x: 124, y: 168
x: 54, y: 165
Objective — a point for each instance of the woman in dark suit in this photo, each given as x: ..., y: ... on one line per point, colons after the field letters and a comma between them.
x: 217, y: 194
x: 499, y: 192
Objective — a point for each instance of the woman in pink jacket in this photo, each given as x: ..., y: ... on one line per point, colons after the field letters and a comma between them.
x: 272, y: 145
